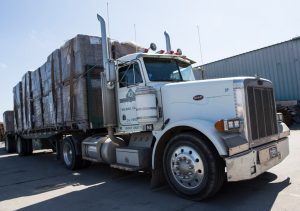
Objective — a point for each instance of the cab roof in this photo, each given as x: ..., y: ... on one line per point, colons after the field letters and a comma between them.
x: 138, y: 55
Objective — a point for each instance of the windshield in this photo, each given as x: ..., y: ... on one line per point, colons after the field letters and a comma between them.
x: 163, y: 69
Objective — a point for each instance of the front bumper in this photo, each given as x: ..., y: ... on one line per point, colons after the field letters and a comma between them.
x: 256, y: 161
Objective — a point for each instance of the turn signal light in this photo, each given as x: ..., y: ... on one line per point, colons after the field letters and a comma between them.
x: 219, y: 125
x: 230, y: 125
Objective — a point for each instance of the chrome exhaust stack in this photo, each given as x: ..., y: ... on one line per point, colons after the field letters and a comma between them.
x: 168, y: 42
x: 108, y: 79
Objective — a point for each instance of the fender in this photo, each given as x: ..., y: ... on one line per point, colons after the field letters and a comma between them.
x: 204, y: 126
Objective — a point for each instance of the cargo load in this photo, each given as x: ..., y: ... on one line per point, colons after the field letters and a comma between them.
x: 37, y: 99
x: 55, y: 60
x: 47, y: 95
x: 27, y: 101
x: 65, y: 92
x: 8, y: 121
x: 81, y: 62
x: 18, y: 107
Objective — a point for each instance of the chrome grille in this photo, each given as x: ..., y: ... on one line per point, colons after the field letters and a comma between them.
x: 262, y: 113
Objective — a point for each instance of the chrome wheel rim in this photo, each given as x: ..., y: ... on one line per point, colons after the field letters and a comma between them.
x: 187, y: 167
x: 68, y: 154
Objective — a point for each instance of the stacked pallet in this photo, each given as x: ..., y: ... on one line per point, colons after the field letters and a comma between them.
x: 81, y: 62
x: 18, y: 107
x: 8, y: 121
x: 37, y: 99
x: 26, y: 101
x: 65, y: 91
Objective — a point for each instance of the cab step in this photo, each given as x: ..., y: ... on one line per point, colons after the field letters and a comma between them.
x: 125, y: 167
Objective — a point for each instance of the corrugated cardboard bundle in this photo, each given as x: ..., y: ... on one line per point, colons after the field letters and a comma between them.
x: 37, y: 99
x: 65, y: 90
x: 55, y: 59
x: 8, y: 121
x: 18, y: 105
x: 27, y: 101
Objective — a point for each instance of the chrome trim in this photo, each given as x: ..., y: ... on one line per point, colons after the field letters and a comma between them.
x: 248, y: 165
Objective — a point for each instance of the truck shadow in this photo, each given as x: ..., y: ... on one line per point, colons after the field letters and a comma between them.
x: 133, y: 194
x: 46, y: 185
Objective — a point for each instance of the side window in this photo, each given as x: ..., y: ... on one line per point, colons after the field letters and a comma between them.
x: 130, y: 75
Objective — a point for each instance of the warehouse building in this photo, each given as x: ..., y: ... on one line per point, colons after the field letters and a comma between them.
x: 279, y: 63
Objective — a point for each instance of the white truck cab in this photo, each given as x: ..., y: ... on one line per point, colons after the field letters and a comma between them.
x: 193, y: 134
x: 153, y: 71
x: 235, y: 118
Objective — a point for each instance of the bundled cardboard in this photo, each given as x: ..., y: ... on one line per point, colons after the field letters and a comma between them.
x: 8, y: 121
x: 48, y: 111
x: 80, y: 99
x: 47, y: 78
x: 77, y: 53
x: 27, y: 101
x: 66, y: 90
x: 120, y: 49
x: 55, y: 59
x: 18, y: 105
x: 37, y: 99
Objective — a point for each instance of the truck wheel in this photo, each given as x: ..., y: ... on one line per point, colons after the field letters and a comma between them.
x: 21, y: 146
x: 29, y: 146
x: 193, y: 169
x: 71, y: 159
x: 10, y: 144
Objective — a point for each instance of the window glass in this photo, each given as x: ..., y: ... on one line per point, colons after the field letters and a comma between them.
x: 130, y: 75
x: 162, y: 69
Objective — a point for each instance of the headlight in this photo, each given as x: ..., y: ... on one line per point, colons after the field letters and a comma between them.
x: 229, y: 125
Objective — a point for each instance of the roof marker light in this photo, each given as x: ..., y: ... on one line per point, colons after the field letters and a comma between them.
x: 161, y: 52
x: 179, y: 51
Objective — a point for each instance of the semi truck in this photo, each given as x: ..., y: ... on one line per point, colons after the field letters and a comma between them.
x: 192, y: 134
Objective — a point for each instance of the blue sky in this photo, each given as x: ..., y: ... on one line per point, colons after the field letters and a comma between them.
x: 30, y: 29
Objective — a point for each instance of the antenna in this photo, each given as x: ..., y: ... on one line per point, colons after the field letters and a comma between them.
x: 135, y: 37
x: 200, y: 45
x: 107, y: 10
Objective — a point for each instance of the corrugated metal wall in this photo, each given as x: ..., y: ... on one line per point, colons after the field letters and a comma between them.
x: 279, y: 63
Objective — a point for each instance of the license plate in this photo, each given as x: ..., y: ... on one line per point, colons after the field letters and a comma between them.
x: 273, y: 152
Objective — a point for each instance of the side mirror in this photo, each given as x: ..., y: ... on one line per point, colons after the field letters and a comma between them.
x: 153, y: 46
x: 112, y: 71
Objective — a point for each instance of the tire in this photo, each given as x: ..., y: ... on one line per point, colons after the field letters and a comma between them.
x: 22, y: 147
x: 71, y: 158
x: 29, y: 146
x: 10, y: 144
x: 192, y: 167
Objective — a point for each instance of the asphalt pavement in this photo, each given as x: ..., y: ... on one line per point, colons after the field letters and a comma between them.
x: 40, y: 182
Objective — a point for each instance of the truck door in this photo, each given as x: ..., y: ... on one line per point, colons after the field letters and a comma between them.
x: 129, y: 78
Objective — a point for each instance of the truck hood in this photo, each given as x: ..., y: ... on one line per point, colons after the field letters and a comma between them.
x: 209, y: 100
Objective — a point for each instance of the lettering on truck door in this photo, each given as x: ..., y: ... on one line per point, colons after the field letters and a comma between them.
x: 130, y: 78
